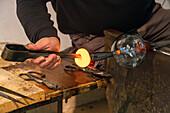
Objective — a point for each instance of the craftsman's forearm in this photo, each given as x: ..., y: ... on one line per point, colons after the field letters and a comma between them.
x: 35, y: 19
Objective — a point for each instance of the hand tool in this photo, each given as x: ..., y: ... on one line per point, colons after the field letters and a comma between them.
x: 156, y: 45
x: 33, y: 75
x: 88, y: 70
x: 14, y: 93
x: 19, y: 53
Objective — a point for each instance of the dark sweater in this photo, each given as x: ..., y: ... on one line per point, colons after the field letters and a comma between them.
x: 82, y: 16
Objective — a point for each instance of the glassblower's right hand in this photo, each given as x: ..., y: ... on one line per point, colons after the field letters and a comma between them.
x: 49, y: 44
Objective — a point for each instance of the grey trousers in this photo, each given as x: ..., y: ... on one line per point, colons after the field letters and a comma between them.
x: 156, y: 29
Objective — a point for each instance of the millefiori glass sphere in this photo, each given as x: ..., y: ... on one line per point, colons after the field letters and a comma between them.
x: 132, y: 50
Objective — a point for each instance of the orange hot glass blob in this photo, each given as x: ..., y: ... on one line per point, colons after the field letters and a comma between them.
x: 84, y: 60
x: 118, y: 52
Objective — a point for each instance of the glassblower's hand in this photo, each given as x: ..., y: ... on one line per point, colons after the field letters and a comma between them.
x: 49, y: 44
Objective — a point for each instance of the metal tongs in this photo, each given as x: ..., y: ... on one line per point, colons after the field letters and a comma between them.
x: 32, y: 76
x: 92, y: 71
x: 19, y: 53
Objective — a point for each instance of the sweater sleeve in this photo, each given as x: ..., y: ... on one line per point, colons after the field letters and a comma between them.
x: 35, y: 19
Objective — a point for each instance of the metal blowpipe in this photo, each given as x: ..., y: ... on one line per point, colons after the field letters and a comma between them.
x: 101, y: 55
x: 14, y: 93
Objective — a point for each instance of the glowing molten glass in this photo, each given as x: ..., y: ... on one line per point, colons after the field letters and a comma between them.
x: 84, y: 60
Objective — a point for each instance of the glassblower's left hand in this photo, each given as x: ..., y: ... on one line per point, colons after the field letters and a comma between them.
x: 49, y: 44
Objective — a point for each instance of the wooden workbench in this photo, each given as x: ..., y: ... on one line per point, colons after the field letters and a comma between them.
x: 70, y: 84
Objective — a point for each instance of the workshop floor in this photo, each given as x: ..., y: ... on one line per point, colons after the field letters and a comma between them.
x: 99, y: 106
x: 90, y: 102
